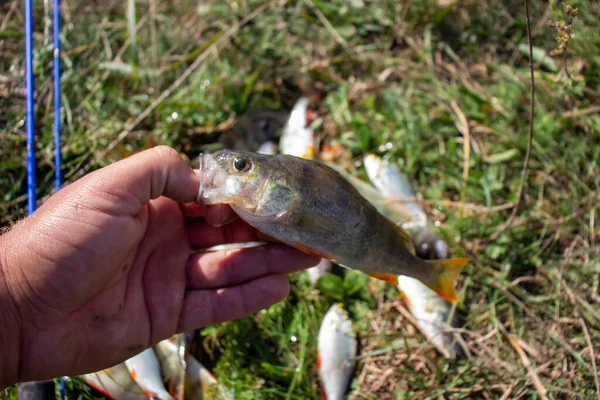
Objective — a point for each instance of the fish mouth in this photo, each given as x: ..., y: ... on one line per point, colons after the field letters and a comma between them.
x: 212, y: 180
x: 201, y: 170
x: 206, y: 173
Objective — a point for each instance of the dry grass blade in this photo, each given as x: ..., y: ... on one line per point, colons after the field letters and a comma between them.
x: 537, y: 382
x: 508, y: 391
x: 338, y: 38
x: 406, y: 314
x: 586, y: 333
x: 588, y: 339
x: 463, y: 127
x: 232, y: 31
x: 515, y: 210
x: 581, y: 112
x: 12, y: 9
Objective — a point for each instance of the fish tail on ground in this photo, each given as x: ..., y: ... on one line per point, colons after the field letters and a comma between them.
x: 444, y: 275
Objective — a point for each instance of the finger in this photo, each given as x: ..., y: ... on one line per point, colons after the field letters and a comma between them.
x: 217, y: 214
x: 192, y: 210
x: 208, y: 307
x: 232, y: 267
x: 123, y: 187
x: 203, y: 235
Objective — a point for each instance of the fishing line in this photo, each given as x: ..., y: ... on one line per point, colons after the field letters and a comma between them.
x: 57, y: 146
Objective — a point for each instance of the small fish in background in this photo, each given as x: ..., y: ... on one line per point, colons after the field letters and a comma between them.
x: 145, y: 370
x: 199, y: 382
x: 430, y: 310
x: 393, y: 184
x: 310, y: 206
x: 251, y: 130
x: 337, y: 347
x: 432, y: 313
x: 115, y: 383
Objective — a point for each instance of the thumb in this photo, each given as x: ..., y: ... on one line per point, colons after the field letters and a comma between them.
x: 130, y: 183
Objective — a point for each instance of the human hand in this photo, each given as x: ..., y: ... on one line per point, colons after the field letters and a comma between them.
x: 104, y: 269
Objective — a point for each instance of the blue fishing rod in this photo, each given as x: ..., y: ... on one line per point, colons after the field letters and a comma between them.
x: 57, y: 145
x: 29, y: 117
x: 45, y: 389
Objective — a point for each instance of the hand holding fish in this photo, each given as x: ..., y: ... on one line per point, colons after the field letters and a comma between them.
x: 106, y: 268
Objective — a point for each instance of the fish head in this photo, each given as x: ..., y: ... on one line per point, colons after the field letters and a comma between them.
x: 252, y: 183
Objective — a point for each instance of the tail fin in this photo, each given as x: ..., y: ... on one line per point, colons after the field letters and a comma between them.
x: 444, y: 275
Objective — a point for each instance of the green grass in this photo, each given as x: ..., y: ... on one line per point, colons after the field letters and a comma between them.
x: 395, y: 80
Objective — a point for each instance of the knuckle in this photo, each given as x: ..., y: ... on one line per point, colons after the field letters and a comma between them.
x: 166, y: 152
x: 267, y: 257
x: 230, y: 266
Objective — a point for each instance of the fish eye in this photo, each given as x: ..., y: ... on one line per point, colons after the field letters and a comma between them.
x: 241, y: 164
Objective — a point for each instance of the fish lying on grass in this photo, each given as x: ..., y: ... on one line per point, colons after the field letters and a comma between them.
x: 145, y: 370
x: 394, y: 185
x: 433, y: 315
x: 199, y: 382
x: 430, y: 311
x: 308, y: 205
x: 115, y: 383
x: 337, y: 350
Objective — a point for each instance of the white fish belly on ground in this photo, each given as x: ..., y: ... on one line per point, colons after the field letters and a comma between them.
x: 430, y: 310
x: 115, y: 383
x: 393, y: 184
x: 314, y: 273
x: 297, y: 139
x: 337, y: 350
x: 267, y: 147
x: 432, y: 314
x: 145, y: 369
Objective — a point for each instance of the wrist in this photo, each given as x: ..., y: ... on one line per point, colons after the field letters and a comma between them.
x: 10, y: 326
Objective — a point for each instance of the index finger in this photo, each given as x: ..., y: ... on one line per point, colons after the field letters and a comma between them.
x: 203, y: 235
x: 215, y: 214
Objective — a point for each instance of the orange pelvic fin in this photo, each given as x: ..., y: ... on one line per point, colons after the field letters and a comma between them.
x: 389, y: 278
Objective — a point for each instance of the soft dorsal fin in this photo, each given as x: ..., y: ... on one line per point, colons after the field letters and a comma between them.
x: 406, y: 239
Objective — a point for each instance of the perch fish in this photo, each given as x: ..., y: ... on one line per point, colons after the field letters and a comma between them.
x: 308, y: 205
